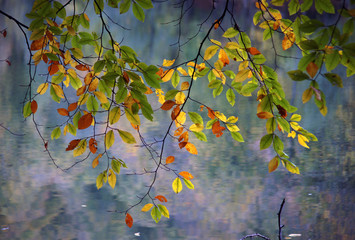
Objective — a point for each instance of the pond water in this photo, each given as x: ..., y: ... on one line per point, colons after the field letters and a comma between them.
x: 234, y: 194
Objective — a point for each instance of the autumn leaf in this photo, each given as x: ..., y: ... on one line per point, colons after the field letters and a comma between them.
x: 161, y: 198
x: 42, y: 88
x: 73, y: 144
x: 52, y: 69
x: 180, y: 98
x: 85, y: 121
x: 186, y: 175
x: 191, y: 148
x: 312, y: 69
x: 302, y: 140
x: 168, y: 63
x: 273, y: 164
x: 210, y: 52
x: 72, y: 106
x: 109, y: 139
x: 164, y: 211
x: 34, y: 106
x: 177, y: 185
x: 178, y: 131
x: 93, y: 145
x: 217, y: 129
x: 38, y: 44
x: 223, y: 57
x: 185, y: 86
x: 129, y: 220
x: 127, y: 137
x: 253, y: 51
x: 170, y: 159
x: 288, y: 40
x: 63, y: 112
x: 167, y: 105
x: 264, y: 115
x: 147, y: 207
x: 95, y: 162
x: 166, y: 76
x: 216, y: 24
x: 80, y: 149
x: 112, y: 178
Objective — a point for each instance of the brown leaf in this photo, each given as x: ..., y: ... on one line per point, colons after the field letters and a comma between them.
x: 82, y: 67
x: 175, y: 112
x: 182, y: 144
x: 34, y: 106
x: 184, y: 137
x: 170, y: 159
x: 92, y: 145
x: 8, y: 62
x: 129, y: 220
x: 125, y: 77
x: 216, y: 24
x: 282, y: 111
x: 253, y: 51
x: 73, y: 144
x: 4, y: 33
x: 264, y: 115
x: 63, y: 111
x: 312, y: 69
x: 38, y: 44
x: 167, y: 105
x: 85, y: 121
x: 80, y: 90
x: 53, y: 68
x: 72, y: 106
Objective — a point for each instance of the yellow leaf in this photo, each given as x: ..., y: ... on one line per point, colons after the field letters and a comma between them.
x: 164, y: 211
x: 42, y: 88
x: 160, y: 94
x: 112, y: 178
x: 180, y: 98
x: 324, y: 110
x: 58, y: 90
x: 177, y: 185
x: 295, y: 125
x: 223, y: 57
x: 166, y: 76
x: 132, y: 118
x: 218, y: 64
x: 180, y: 119
x: 210, y: 52
x: 37, y: 57
x: 114, y: 115
x: 127, y: 137
x: 80, y: 149
x: 182, y: 71
x: 100, y: 180
x: 67, y: 57
x: 95, y: 162
x: 191, y: 148
x: 243, y: 65
x: 83, y: 98
x: 232, y: 45
x: 302, y: 140
x: 101, y: 96
x: 219, y: 74
x: 307, y: 95
x: 292, y: 134
x: 147, y: 207
x: 216, y: 42
x: 232, y: 119
x: 109, y: 139
x: 296, y: 117
x: 197, y: 127
x: 273, y: 164
x: 242, y: 75
x: 221, y: 116
x: 232, y: 127
x: 168, y: 63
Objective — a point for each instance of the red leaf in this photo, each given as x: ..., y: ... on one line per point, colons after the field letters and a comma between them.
x: 282, y: 111
x: 73, y: 144
x: 253, y: 51
x: 52, y: 69
x: 129, y: 220
x: 93, y: 145
x: 167, y: 105
x: 161, y: 198
x: 85, y: 121
x: 34, y: 106
x: 72, y: 106
x: 63, y: 111
x: 4, y: 33
x: 8, y: 62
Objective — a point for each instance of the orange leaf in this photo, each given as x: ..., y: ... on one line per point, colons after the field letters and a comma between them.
x: 72, y: 106
x: 129, y: 220
x: 253, y: 51
x: 184, y: 137
x: 63, y: 111
x: 73, y: 144
x: 34, y: 106
x: 88, y: 78
x: 186, y: 175
x: 178, y: 131
x: 264, y: 115
x: 216, y: 24
x: 182, y: 144
x: 312, y: 69
x: 217, y: 129
x: 82, y: 67
x: 185, y: 86
x: 175, y: 112
x: 85, y: 121
x: 95, y: 162
x: 93, y: 145
x: 168, y: 105
x: 93, y: 85
x: 223, y: 57
x: 288, y: 40
x: 160, y: 72
x: 211, y: 113
x: 53, y: 68
x: 38, y: 44
x: 80, y: 90
x: 191, y: 148
x: 260, y: 6
x: 161, y: 198
x: 201, y: 108
x: 170, y: 159
x: 126, y: 77
x: 276, y: 25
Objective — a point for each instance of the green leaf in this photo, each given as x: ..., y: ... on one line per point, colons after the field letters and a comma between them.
x: 284, y: 124
x: 196, y: 118
x: 349, y: 49
x: 138, y: 12
x: 85, y: 23
x: 109, y: 139
x: 98, y: 6
x: 99, y: 66
x: 324, y: 5
x: 177, y: 185
x: 297, y: 75
x: 56, y: 133
x: 230, y: 33
x: 175, y: 79
x: 72, y: 129
x: 309, y: 45
x: 306, y: 5
x: 278, y: 145
x: 334, y: 79
x: 200, y: 136
x: 305, y: 60
x: 92, y: 104
x: 164, y: 211
x: 171, y: 94
x: 133, y: 118
x: 114, y: 115
x: 152, y: 80
x: 62, y: 13
x: 77, y: 53
x: 156, y: 214
x: 127, y: 137
x: 188, y: 184
x: 266, y: 141
x: 293, y: 7
x: 116, y: 165
x: 257, y: 17
x: 311, y: 26
x: 237, y: 136
x: 244, y: 40
x: 230, y: 96
x: 332, y: 60
x: 248, y: 88
x: 270, y: 125
x: 146, y: 4
x: 291, y: 167
x: 121, y: 95
x: 125, y: 5
x: 27, y: 110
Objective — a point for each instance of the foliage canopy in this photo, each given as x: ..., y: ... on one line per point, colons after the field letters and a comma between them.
x: 99, y: 84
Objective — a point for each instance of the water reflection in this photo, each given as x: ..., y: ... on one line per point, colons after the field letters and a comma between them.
x: 234, y: 195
